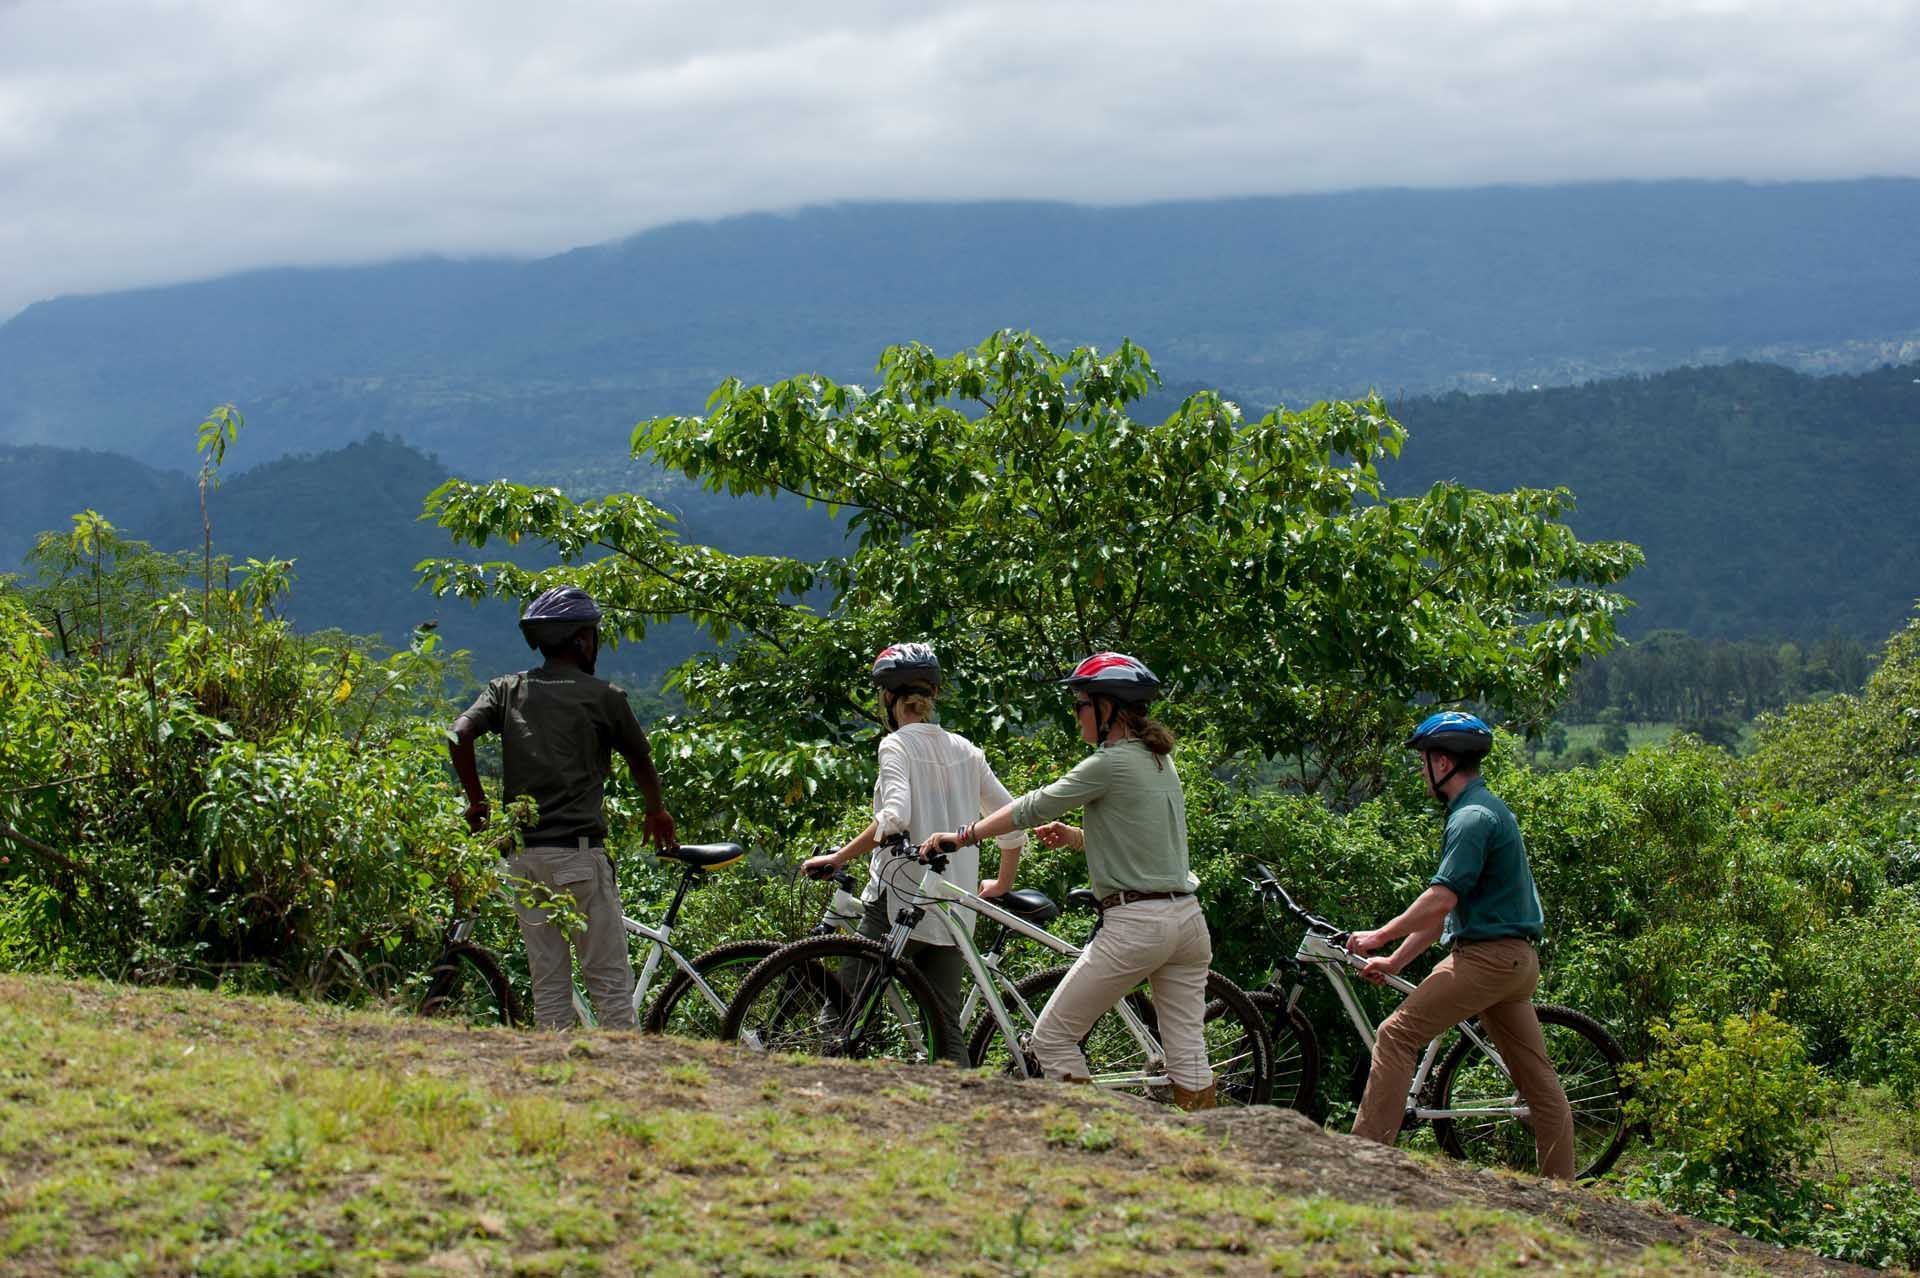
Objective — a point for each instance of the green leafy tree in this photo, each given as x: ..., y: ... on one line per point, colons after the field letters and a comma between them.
x: 1003, y: 503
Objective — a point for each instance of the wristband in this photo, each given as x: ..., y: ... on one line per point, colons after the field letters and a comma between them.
x: 966, y: 835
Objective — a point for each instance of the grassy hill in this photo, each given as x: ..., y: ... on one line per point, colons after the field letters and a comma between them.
x: 168, y: 1132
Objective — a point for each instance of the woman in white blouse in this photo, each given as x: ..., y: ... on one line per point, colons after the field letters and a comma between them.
x: 930, y: 779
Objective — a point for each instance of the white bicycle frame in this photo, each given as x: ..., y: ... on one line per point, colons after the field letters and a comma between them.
x: 938, y: 898
x: 1317, y: 951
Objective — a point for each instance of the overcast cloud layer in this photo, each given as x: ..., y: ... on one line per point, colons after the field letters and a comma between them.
x: 147, y: 143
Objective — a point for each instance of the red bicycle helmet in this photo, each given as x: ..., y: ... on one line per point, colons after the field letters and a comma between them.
x: 1116, y: 675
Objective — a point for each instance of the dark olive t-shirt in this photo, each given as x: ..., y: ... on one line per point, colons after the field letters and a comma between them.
x: 558, y: 729
x: 1484, y: 863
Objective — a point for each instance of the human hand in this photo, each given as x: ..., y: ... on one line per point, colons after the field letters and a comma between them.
x: 1365, y: 942
x: 1058, y: 834
x: 820, y: 867
x: 477, y: 814
x: 931, y: 844
x: 1378, y: 970
x: 658, y: 829
x: 990, y: 888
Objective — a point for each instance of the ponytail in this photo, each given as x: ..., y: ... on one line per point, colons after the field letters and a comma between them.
x: 1151, y: 733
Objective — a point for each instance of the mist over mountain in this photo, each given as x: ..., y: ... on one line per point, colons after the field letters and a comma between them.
x: 539, y: 368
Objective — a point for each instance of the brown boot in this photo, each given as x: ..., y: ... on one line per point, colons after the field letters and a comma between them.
x: 1191, y: 1100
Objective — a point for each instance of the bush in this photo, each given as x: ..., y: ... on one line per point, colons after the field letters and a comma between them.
x: 1734, y: 1099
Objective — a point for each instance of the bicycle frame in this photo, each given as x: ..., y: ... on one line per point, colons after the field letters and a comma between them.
x: 937, y: 897
x: 1335, y: 962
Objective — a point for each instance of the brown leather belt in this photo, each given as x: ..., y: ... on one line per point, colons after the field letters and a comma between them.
x: 1128, y: 896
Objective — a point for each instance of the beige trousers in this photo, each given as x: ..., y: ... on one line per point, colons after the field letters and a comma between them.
x: 1493, y: 980
x: 606, y: 967
x: 1165, y: 943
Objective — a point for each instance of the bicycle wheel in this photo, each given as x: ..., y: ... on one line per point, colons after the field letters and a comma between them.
x: 1238, y: 1050
x: 1296, y: 1052
x: 1114, y: 1052
x: 836, y: 996
x: 1588, y: 1061
x: 465, y: 984
x: 681, y: 1009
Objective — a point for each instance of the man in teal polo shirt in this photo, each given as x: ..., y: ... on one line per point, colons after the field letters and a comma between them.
x: 1481, y: 902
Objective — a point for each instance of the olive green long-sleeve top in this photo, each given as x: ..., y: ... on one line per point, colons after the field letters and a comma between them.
x: 1135, y: 822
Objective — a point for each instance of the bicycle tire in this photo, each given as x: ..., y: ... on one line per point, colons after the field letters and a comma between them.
x: 466, y: 984
x: 679, y: 1009
x: 1589, y: 1062
x: 1238, y: 1049
x: 1296, y: 1053
x: 837, y: 996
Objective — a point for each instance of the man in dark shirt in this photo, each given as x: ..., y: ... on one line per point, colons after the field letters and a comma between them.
x: 559, y: 727
x: 1482, y: 903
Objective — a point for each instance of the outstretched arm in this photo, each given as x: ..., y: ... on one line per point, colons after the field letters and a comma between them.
x: 1420, y: 924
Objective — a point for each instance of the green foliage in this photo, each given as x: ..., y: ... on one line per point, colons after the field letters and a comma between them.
x: 1006, y: 505
x: 1734, y: 1109
x: 1736, y: 1100
x: 222, y: 799
x: 1875, y: 1224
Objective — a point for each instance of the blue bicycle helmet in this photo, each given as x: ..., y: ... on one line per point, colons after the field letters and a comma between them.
x: 1455, y: 732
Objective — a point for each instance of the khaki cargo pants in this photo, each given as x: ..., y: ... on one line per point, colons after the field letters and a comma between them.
x: 606, y: 968
x: 1165, y: 943
x: 1493, y: 980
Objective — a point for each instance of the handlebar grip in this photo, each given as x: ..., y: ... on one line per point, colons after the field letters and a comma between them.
x: 949, y: 846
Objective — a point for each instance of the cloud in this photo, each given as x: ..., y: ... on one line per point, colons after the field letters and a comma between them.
x: 152, y: 142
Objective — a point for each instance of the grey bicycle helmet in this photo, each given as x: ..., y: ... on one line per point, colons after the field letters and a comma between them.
x: 557, y: 615
x: 901, y: 666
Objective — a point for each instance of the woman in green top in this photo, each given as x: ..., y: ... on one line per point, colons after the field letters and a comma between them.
x: 1135, y: 839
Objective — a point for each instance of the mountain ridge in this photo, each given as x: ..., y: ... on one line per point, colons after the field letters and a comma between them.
x: 1282, y: 298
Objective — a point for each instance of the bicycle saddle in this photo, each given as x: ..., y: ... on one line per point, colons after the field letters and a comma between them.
x: 705, y: 856
x: 1035, y: 907
x: 1083, y: 899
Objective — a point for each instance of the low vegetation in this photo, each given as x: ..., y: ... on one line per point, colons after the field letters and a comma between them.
x: 175, y: 1132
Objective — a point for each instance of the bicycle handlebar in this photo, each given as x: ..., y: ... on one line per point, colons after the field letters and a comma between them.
x: 1270, y: 887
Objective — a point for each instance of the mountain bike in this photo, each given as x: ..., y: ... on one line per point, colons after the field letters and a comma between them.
x: 850, y: 996
x: 466, y: 981
x: 1461, y: 1085
x: 682, y: 1009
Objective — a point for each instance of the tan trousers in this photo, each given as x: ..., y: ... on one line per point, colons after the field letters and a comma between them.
x: 606, y: 966
x: 1493, y: 980
x: 1165, y: 943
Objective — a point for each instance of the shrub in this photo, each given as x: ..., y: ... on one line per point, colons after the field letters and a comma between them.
x: 1735, y: 1099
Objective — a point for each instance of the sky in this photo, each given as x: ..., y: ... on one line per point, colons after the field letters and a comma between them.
x: 151, y: 143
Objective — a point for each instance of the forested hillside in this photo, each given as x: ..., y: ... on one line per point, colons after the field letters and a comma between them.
x: 42, y: 487
x: 1768, y: 502
x: 523, y: 365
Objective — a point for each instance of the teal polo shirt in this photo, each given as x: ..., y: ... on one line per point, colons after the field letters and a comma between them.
x: 1484, y: 863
